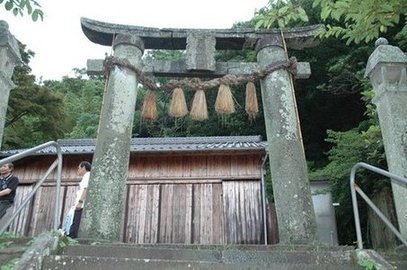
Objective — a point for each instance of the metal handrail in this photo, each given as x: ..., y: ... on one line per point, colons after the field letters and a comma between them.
x: 57, y: 162
x: 355, y: 188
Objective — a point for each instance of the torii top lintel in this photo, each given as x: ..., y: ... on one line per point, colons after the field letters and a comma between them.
x: 175, y: 39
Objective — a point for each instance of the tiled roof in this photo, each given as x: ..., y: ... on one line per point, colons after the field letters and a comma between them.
x: 149, y: 145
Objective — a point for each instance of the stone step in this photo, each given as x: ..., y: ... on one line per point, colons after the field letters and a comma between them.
x: 12, y: 248
x: 10, y: 253
x: 111, y: 263
x: 225, y: 254
x: 397, y: 258
x: 124, y: 256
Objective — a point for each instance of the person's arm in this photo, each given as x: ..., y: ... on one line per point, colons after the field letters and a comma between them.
x: 5, y: 192
x: 79, y: 204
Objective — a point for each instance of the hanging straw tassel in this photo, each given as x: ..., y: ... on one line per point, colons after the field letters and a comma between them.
x: 149, y: 110
x: 252, y: 107
x: 199, y: 109
x: 224, y: 103
x: 178, y: 105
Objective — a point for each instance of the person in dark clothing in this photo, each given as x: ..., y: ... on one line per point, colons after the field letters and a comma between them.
x: 8, y: 187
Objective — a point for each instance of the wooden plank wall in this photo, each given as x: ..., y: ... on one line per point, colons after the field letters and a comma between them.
x: 192, y: 199
x: 38, y: 215
x: 243, y: 215
x: 201, y: 199
x: 19, y: 226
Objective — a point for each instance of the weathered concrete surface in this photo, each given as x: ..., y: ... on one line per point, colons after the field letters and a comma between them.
x: 122, y: 256
x: 178, y: 68
x: 396, y: 257
x: 386, y: 69
x: 200, y: 51
x: 9, y: 58
x: 103, y: 213
x: 32, y: 258
x: 291, y: 188
x: 175, y: 39
x: 12, y: 248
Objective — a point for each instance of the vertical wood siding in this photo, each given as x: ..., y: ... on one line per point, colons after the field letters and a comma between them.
x: 192, y: 199
x: 242, y: 215
x: 142, y: 214
x: 19, y: 226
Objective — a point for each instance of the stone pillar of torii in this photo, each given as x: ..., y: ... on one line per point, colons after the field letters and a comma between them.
x: 9, y: 58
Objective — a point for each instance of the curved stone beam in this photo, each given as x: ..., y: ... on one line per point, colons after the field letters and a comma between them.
x: 175, y: 38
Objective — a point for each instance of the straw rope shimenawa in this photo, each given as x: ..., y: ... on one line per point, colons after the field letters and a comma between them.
x: 252, y: 107
x: 224, y: 102
x: 178, y: 105
x: 199, y: 109
x: 149, y: 110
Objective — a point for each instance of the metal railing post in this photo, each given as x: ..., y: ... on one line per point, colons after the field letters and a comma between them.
x: 57, y: 213
x: 355, y: 207
x: 57, y: 163
x: 355, y: 188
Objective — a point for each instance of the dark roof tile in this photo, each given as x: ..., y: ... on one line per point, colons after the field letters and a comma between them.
x: 173, y: 144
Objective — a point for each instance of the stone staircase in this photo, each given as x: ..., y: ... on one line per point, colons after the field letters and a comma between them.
x: 11, y: 249
x: 88, y: 256
x: 397, y: 258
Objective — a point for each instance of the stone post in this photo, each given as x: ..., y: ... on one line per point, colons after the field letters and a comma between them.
x: 9, y: 58
x: 104, y: 207
x: 292, y: 193
x: 386, y: 69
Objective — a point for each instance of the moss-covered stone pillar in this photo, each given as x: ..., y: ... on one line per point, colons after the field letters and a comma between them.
x: 292, y: 193
x: 104, y: 207
x: 9, y: 58
x: 386, y: 69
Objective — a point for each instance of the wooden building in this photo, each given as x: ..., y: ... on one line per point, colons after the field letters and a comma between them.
x: 192, y: 190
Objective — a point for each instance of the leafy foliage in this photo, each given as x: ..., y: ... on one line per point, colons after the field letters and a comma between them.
x: 82, y: 99
x: 280, y: 14
x: 34, y: 112
x: 353, y: 21
x: 367, y: 263
x: 18, y: 7
x: 363, y: 143
x: 357, y: 21
x: 10, y: 264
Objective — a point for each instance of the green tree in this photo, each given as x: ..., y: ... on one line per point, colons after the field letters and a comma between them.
x: 19, y: 7
x: 357, y: 21
x: 354, y: 21
x: 362, y: 143
x: 82, y: 99
x: 280, y: 13
x: 34, y: 113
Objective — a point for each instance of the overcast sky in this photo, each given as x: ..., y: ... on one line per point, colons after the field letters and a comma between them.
x: 60, y: 45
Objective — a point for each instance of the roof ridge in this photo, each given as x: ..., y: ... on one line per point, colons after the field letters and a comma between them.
x: 167, y: 144
x: 170, y: 140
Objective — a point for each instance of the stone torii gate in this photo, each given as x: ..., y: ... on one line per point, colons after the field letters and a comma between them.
x: 103, y: 215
